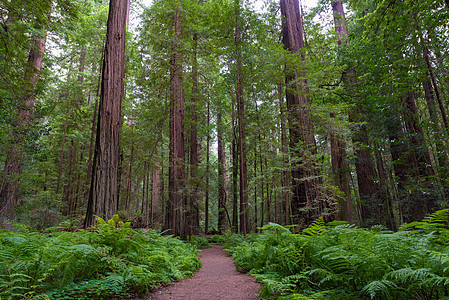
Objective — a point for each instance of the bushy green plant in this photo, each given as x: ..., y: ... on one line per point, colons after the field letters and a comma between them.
x: 340, y: 261
x: 217, y: 239
x: 200, y: 242
x: 108, y: 262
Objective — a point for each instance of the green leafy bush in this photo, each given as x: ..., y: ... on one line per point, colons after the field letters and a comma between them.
x: 200, y: 242
x: 217, y: 239
x: 109, y: 262
x: 340, y: 261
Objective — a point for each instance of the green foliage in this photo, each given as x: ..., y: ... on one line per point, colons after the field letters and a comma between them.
x: 200, y: 242
x: 217, y: 239
x: 339, y: 261
x: 111, y: 262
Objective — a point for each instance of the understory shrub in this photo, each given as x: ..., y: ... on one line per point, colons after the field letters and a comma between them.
x: 110, y: 262
x: 340, y: 261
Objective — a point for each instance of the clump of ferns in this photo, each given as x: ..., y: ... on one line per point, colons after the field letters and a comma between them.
x: 339, y: 261
x: 110, y: 260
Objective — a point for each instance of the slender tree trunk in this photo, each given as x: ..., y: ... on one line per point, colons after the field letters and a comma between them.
x: 61, y: 158
x: 435, y: 87
x: 104, y: 192
x: 130, y: 200
x: 68, y: 191
x: 193, y: 206
x: 285, y: 173
x: 221, y: 178
x: 255, y: 195
x: 388, y: 216
x: 244, y: 206
x: 206, y: 209
x: 155, y: 196
x: 267, y: 185
x: 235, y: 170
x: 305, y: 191
x: 436, y: 129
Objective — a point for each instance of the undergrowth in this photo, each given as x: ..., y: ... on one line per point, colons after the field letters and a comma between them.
x: 340, y: 261
x: 112, y: 261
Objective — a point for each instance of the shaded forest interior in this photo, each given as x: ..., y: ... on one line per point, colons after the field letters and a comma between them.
x: 223, y: 116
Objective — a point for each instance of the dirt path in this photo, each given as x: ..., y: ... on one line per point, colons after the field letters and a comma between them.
x: 216, y: 280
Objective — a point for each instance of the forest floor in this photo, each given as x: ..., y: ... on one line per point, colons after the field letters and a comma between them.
x: 218, y: 279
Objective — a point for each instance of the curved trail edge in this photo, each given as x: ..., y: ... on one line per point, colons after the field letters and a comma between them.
x: 216, y: 280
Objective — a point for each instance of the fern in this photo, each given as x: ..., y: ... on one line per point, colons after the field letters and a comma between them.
x: 380, y: 289
x: 98, y: 264
x: 13, y: 286
x: 317, y: 227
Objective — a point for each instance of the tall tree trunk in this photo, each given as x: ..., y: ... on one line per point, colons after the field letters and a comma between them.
x: 340, y: 170
x: 130, y: 200
x: 193, y: 206
x: 235, y: 170
x: 221, y: 176
x: 285, y: 173
x: 94, y: 119
x: 267, y: 185
x: 365, y: 169
x: 61, y: 158
x: 15, y: 155
x: 435, y: 86
x: 68, y: 191
x: 436, y: 128
x: 206, y: 209
x: 411, y: 162
x: 305, y: 191
x: 340, y: 166
x: 104, y: 192
x: 255, y: 195
x: 244, y: 205
x: 155, y: 196
x: 177, y: 154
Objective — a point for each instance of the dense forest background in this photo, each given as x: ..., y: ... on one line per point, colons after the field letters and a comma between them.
x: 224, y: 115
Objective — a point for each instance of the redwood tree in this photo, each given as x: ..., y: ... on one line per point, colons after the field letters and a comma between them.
x: 104, y: 188
x: 174, y: 213
x: 302, y: 140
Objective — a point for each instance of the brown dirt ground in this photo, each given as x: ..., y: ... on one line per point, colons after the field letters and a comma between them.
x: 216, y: 280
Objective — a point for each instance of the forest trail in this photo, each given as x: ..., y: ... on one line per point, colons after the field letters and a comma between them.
x: 216, y: 280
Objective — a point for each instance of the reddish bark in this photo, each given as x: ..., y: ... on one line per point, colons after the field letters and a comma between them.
x: 104, y: 191
x: 340, y: 166
x: 155, y: 196
x: 302, y: 139
x: 177, y: 195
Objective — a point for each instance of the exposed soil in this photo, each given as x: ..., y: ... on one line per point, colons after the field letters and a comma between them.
x: 217, y: 279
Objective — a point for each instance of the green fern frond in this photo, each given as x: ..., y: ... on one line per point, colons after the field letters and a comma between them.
x: 379, y: 288
x: 275, y: 227
x: 407, y: 275
x: 317, y: 227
